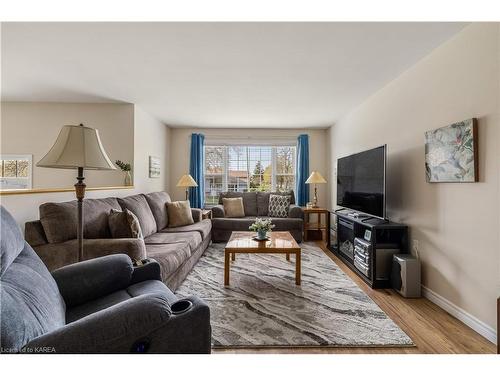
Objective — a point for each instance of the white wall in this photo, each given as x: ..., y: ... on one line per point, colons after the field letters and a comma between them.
x: 456, y: 224
x: 181, y: 143
x: 151, y: 138
x: 32, y: 128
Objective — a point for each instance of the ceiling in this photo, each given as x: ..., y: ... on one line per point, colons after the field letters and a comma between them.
x: 267, y: 75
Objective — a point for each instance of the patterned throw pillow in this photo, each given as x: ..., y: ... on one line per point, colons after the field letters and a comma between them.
x: 279, y: 205
x: 124, y: 224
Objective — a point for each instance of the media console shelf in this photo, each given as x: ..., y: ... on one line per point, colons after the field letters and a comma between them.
x: 379, y: 238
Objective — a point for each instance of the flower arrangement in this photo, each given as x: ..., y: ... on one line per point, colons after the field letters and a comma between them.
x: 262, y: 226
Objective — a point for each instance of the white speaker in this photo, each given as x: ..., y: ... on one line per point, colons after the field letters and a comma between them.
x: 406, y: 275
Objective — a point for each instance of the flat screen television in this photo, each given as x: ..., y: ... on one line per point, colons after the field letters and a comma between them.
x: 361, y: 181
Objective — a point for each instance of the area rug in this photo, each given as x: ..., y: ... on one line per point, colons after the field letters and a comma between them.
x: 263, y: 306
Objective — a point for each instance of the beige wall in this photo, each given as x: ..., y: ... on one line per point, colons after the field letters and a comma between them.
x: 32, y: 128
x: 456, y: 224
x: 181, y: 142
x: 151, y: 138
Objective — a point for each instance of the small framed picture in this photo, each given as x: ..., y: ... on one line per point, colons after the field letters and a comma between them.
x: 154, y: 167
x: 368, y: 235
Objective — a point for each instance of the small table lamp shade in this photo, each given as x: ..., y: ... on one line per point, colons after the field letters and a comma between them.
x: 187, y: 181
x: 315, y: 178
x: 77, y: 147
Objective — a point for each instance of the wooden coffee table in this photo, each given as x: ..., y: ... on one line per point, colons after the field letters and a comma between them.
x: 279, y: 243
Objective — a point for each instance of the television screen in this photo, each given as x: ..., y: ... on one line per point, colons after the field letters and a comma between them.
x: 361, y: 181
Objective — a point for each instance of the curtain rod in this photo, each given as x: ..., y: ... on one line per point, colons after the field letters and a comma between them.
x: 225, y: 136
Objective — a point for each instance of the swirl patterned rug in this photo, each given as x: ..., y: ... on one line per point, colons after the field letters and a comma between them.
x: 264, y: 307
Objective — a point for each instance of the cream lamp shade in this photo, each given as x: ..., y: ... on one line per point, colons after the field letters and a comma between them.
x: 315, y: 178
x: 77, y: 147
x: 187, y: 181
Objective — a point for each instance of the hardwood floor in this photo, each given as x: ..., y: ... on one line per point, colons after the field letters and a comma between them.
x: 431, y: 328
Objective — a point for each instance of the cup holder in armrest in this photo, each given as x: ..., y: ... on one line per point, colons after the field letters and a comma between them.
x: 181, y: 306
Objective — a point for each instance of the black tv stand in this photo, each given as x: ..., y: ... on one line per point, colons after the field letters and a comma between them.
x: 384, y: 235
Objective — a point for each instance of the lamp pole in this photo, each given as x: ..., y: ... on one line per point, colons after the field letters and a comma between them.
x: 80, y: 194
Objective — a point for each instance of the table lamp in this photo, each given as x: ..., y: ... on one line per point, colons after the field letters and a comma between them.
x: 77, y: 147
x: 315, y: 178
x: 187, y: 181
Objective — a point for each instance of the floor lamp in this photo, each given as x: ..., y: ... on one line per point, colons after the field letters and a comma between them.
x: 77, y: 147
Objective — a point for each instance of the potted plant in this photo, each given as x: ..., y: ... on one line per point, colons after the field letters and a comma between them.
x: 262, y: 226
x: 126, y: 168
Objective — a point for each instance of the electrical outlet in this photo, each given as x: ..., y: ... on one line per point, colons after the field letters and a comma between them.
x: 415, y: 247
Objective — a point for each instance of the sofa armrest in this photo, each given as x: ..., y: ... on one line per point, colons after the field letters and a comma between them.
x: 141, y: 324
x: 149, y: 271
x: 88, y: 280
x: 196, y: 212
x: 296, y: 212
x: 34, y: 233
x: 117, y: 329
x: 218, y: 211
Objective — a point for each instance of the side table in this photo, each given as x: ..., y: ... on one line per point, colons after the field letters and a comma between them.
x: 206, y: 214
x: 322, y: 224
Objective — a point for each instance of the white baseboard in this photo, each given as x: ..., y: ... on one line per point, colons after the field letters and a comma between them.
x: 480, y: 327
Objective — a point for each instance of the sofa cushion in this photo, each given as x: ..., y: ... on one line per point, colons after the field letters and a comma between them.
x: 169, y: 256
x: 135, y: 290
x: 233, y: 207
x: 179, y: 214
x: 60, y: 220
x: 203, y: 227
x: 249, y: 200
x: 286, y: 224
x: 193, y: 239
x: 234, y: 224
x: 263, y: 201
x: 279, y: 205
x: 158, y: 204
x: 124, y: 224
x: 140, y: 207
x: 230, y: 194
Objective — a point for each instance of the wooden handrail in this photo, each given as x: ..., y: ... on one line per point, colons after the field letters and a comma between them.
x: 60, y: 190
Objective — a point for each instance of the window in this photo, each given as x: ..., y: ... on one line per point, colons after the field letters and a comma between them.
x: 248, y: 168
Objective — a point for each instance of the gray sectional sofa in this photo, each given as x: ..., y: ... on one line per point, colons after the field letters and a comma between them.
x: 255, y: 204
x: 177, y: 250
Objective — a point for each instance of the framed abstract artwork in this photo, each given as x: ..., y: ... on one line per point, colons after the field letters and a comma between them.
x: 451, y: 153
x: 16, y: 171
x: 154, y: 167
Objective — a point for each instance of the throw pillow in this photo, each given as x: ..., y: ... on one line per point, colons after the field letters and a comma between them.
x: 233, y: 207
x: 179, y: 214
x: 124, y: 224
x: 279, y: 205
